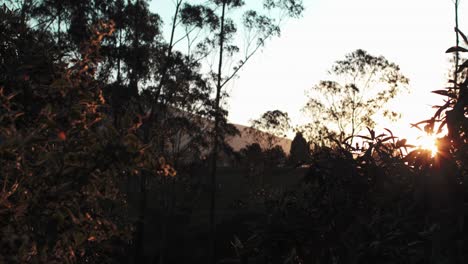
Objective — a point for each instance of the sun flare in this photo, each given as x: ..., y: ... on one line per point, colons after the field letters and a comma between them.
x: 428, y: 142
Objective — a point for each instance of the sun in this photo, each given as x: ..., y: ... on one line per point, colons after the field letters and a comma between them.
x: 428, y: 142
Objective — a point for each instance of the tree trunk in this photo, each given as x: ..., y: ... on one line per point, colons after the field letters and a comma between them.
x: 119, y: 78
x: 133, y: 85
x: 140, y: 228
x: 169, y: 53
x: 212, y: 242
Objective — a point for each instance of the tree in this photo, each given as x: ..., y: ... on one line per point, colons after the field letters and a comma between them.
x: 252, y: 155
x: 270, y: 128
x: 300, y: 150
x: 61, y: 161
x: 275, y: 156
x: 360, y: 87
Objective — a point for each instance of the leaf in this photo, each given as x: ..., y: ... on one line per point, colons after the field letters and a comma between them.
x: 389, y: 131
x: 371, y: 132
x: 441, y: 126
x: 411, y: 156
x: 456, y: 49
x: 364, y: 137
x: 462, y: 35
x: 429, y: 128
x: 387, y: 138
x: 423, y: 122
x: 401, y: 143
x: 463, y: 66
x: 441, y: 92
x: 445, y: 93
x: 441, y: 108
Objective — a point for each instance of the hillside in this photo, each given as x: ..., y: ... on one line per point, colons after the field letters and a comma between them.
x: 236, y: 142
x: 245, y: 138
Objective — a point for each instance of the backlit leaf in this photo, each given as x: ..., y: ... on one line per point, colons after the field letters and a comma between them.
x: 456, y: 49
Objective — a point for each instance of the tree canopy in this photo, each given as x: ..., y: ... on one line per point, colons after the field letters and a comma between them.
x: 270, y: 128
x: 360, y: 87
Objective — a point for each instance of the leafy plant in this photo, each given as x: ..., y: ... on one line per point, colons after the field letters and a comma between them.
x: 63, y: 160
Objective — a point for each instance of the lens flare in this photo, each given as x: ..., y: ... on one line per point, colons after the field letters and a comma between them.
x: 428, y: 142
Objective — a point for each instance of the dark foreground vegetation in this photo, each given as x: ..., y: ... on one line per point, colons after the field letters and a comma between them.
x: 112, y: 146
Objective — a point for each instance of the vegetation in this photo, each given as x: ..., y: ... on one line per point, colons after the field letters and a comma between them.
x: 361, y: 86
x: 112, y: 141
x: 275, y: 123
x: 300, y: 150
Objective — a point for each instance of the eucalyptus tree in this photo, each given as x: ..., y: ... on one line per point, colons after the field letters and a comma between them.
x: 54, y: 14
x: 270, y: 128
x: 360, y: 87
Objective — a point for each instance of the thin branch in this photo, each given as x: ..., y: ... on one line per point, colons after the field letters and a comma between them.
x: 183, y: 37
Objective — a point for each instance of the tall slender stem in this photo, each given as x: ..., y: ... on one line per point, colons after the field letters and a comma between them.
x: 212, y: 245
x: 169, y: 53
x: 457, y: 57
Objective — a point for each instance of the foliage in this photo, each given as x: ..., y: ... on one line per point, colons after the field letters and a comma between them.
x: 347, y: 210
x: 253, y: 157
x: 63, y: 160
x: 361, y: 86
x: 386, y: 202
x: 275, y: 157
x: 300, y: 150
x: 59, y: 183
x: 270, y: 128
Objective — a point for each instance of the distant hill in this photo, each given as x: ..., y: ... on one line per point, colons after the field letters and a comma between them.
x: 245, y: 138
x: 237, y: 142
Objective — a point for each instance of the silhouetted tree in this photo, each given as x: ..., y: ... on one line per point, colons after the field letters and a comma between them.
x: 275, y: 156
x: 300, y: 150
x: 270, y: 128
x: 253, y: 159
x: 361, y: 86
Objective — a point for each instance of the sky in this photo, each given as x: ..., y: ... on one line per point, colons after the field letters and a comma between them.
x: 411, y: 33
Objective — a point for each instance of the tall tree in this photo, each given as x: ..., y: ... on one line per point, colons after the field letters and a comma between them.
x: 360, y: 87
x: 54, y: 15
x: 142, y: 30
x: 300, y: 150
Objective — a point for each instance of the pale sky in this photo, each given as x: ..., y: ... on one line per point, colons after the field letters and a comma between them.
x: 411, y: 33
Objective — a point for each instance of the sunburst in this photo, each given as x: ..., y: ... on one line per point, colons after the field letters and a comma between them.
x: 428, y: 142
